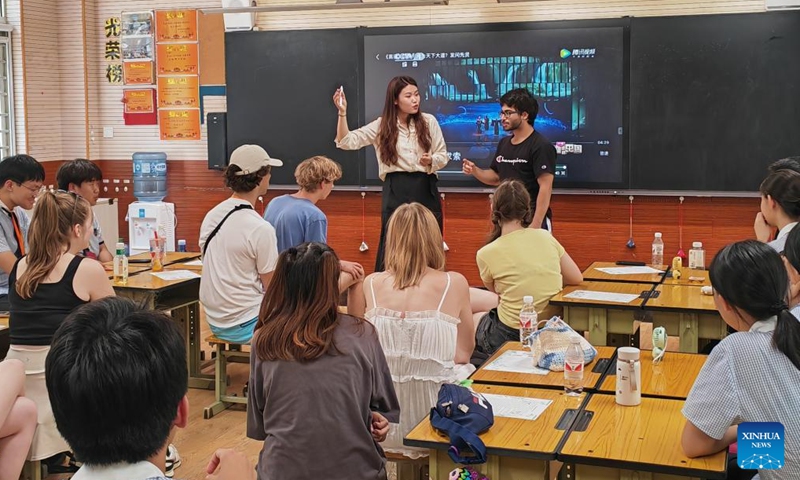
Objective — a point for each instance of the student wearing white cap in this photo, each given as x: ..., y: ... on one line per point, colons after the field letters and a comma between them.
x: 239, y: 248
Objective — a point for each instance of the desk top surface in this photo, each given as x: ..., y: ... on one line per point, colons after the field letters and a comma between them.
x: 690, y: 277
x: 592, y: 273
x: 172, y: 257
x: 647, y: 436
x: 682, y: 297
x: 606, y: 287
x: 510, y: 436
x: 148, y: 281
x: 551, y: 380
x: 673, y: 377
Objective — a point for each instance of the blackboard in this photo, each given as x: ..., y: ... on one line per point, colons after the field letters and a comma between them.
x: 714, y: 99
x: 280, y: 88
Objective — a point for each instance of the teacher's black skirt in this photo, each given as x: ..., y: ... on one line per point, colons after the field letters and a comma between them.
x: 406, y: 187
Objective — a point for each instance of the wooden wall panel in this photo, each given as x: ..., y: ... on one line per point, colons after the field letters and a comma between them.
x: 590, y: 227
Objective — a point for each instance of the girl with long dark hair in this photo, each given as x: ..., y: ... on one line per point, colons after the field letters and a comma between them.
x: 410, y: 150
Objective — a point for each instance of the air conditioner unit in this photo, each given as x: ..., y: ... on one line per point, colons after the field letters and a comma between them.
x: 238, y: 22
x: 781, y: 4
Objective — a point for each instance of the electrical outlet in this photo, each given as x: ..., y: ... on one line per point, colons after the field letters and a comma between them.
x: 108, y: 132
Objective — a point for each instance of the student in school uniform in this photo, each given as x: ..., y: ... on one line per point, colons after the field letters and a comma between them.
x: 752, y: 375
x: 780, y: 207
x: 83, y: 177
x: 297, y: 219
x: 117, y: 379
x: 45, y: 285
x: 518, y: 261
x: 526, y: 155
x: 21, y: 181
x: 321, y: 395
x: 410, y: 150
x: 791, y: 258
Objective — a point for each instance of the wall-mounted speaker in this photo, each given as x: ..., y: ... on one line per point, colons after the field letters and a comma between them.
x: 217, y: 126
x: 235, y: 22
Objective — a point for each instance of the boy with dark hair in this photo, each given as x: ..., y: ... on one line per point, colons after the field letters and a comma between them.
x: 117, y: 380
x: 83, y: 177
x: 525, y: 155
x: 21, y: 181
x: 239, y: 248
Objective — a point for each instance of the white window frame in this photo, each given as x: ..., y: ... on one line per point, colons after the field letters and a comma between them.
x: 7, y: 135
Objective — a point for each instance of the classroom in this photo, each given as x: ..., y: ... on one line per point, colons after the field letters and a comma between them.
x: 399, y: 239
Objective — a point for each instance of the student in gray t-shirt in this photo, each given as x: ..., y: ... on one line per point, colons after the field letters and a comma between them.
x: 82, y: 177
x: 21, y: 181
x: 321, y: 394
x: 297, y: 219
x: 752, y: 375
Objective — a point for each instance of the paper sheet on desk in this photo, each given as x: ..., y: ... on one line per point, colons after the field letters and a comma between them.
x: 194, y: 263
x: 602, y: 296
x: 629, y: 270
x: 516, y: 361
x: 517, y: 407
x: 176, y: 275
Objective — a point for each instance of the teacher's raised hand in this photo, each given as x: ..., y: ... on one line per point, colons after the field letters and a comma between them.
x: 340, y: 101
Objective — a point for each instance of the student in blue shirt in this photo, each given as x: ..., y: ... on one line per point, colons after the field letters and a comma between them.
x: 297, y: 219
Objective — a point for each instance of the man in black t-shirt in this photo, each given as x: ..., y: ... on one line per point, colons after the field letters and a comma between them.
x: 525, y: 155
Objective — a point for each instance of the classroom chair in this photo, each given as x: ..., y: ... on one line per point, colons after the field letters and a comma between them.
x: 409, y: 468
x: 225, y: 352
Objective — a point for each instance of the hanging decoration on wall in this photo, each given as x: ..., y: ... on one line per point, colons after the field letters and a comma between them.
x: 139, y: 106
x: 112, y: 50
x: 178, y: 67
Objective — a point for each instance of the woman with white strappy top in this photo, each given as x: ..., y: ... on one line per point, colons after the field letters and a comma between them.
x: 423, y: 318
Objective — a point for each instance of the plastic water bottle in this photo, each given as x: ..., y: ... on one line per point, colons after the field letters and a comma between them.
x: 527, y: 321
x: 658, y: 250
x: 697, y: 256
x: 181, y: 245
x: 573, y: 367
x: 120, y: 265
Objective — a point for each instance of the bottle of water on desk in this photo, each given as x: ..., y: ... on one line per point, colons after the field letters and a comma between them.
x: 573, y: 367
x: 527, y: 321
x: 120, y: 265
x: 658, y: 251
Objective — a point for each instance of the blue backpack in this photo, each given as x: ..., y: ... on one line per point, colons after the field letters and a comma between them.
x: 462, y: 414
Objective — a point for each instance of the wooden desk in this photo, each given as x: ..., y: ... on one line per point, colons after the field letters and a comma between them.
x: 182, y: 299
x: 133, y: 269
x: 685, y: 312
x: 172, y: 257
x: 4, y: 320
x: 198, y: 269
x: 551, y: 380
x: 592, y: 274
x: 516, y: 448
x: 601, y: 318
x: 686, y: 274
x: 673, y: 377
x: 620, y: 441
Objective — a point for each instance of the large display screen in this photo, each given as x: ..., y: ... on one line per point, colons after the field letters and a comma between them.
x: 577, y: 76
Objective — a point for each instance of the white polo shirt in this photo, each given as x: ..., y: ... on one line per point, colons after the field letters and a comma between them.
x: 119, y: 471
x: 244, y: 248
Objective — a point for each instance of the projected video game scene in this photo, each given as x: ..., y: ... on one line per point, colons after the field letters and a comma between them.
x: 576, y: 75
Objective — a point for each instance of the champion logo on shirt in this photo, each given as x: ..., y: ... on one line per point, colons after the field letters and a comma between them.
x: 502, y: 159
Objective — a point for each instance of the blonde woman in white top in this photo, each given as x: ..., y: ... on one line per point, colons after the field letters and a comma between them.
x: 423, y: 318
x: 410, y: 150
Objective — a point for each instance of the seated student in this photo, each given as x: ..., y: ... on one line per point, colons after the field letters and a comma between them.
x: 320, y: 394
x: 297, y: 219
x: 423, y: 318
x: 239, y: 248
x: 17, y: 419
x: 45, y: 286
x: 791, y: 258
x: 21, y: 181
x: 117, y: 379
x: 83, y: 177
x: 518, y: 261
x: 753, y: 375
x: 780, y: 207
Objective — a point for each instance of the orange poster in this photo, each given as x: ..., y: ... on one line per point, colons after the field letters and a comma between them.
x: 176, y: 25
x: 177, y: 58
x: 138, y: 101
x: 179, y: 124
x: 138, y: 73
x: 180, y: 92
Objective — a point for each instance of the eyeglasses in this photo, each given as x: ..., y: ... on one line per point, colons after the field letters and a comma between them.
x: 35, y: 190
x: 508, y: 113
